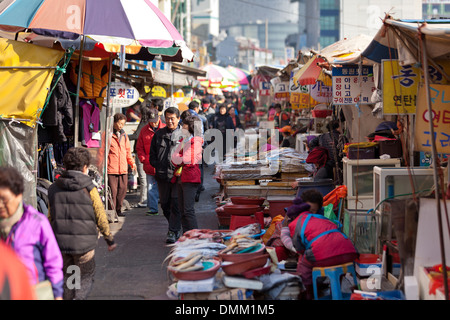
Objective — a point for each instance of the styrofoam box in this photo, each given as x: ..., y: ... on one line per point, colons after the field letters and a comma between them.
x: 206, y: 285
x: 367, y: 269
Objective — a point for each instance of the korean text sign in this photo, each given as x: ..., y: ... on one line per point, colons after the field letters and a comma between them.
x: 440, y: 102
x: 399, y: 87
x: 281, y: 91
x: 349, y: 87
x: 300, y: 97
x: 123, y: 95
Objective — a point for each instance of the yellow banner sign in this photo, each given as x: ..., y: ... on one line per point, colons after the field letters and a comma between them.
x: 440, y: 101
x: 400, y: 87
x: 302, y: 101
x: 158, y: 91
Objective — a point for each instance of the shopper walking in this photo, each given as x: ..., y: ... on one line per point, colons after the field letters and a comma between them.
x: 223, y: 122
x: 119, y: 158
x: 29, y: 233
x: 143, y: 152
x: 145, y: 106
x: 194, y: 110
x: 186, y: 159
x: 163, y: 145
x: 76, y: 212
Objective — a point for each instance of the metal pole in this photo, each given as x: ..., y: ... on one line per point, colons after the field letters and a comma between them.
x: 27, y: 67
x: 77, y: 97
x: 106, y: 142
x: 435, y: 162
x: 267, y: 39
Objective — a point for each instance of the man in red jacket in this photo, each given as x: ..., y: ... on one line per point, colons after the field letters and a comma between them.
x: 143, y: 151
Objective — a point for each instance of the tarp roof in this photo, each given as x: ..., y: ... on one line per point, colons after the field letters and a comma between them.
x: 345, y: 50
x: 397, y: 39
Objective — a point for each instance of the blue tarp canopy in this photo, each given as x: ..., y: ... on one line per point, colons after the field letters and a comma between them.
x: 397, y: 39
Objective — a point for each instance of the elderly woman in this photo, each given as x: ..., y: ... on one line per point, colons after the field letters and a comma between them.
x: 320, y: 159
x: 118, y: 160
x: 323, y: 167
x: 29, y: 233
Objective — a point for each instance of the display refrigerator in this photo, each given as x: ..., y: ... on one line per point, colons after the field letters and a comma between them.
x: 358, y: 177
x: 397, y: 183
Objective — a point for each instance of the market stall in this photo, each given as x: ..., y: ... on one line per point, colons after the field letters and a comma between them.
x: 97, y: 41
x: 388, y: 109
x: 229, y: 265
x: 21, y: 111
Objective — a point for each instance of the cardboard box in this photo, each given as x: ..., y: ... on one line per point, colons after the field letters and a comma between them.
x: 424, y: 286
x: 240, y: 182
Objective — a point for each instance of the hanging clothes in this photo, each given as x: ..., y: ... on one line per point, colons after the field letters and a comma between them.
x: 90, y: 124
x: 46, y: 163
x: 94, y: 78
x: 57, y: 118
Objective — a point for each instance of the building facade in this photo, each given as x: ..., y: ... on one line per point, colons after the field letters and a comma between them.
x: 270, y: 22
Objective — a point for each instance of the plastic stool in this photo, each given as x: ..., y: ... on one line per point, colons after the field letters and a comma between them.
x: 334, y: 273
x: 241, y: 221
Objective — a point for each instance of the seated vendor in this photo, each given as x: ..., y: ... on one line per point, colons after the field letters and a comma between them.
x: 311, y: 201
x: 323, y: 166
x: 315, y: 238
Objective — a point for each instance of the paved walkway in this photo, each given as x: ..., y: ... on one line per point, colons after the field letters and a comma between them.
x: 135, y: 270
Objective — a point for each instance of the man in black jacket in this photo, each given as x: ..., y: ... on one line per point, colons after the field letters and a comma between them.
x: 164, y: 142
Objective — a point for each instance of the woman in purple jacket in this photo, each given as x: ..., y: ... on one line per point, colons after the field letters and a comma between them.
x: 29, y: 233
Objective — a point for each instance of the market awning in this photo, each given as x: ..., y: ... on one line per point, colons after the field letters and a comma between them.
x: 217, y: 77
x: 397, y: 39
x: 26, y: 74
x: 310, y: 72
x: 345, y: 50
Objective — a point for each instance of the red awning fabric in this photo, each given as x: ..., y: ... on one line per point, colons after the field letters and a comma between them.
x: 310, y: 72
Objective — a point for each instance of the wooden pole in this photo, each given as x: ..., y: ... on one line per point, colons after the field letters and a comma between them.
x: 77, y: 97
x: 106, y: 142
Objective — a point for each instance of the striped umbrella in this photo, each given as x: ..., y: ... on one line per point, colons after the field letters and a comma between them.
x: 114, y: 23
x: 217, y: 77
x: 243, y: 76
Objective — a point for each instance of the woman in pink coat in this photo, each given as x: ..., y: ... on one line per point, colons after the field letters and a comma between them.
x: 186, y: 159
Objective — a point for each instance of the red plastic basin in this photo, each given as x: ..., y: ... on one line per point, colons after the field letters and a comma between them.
x: 248, y: 201
x: 276, y: 207
x: 366, y: 258
x: 241, y: 209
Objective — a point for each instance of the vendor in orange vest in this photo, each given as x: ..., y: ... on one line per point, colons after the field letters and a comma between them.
x: 316, y: 238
